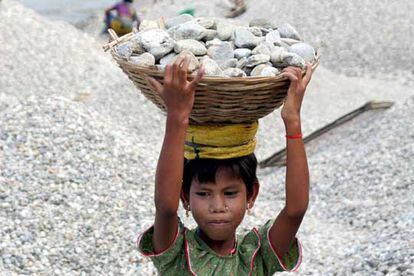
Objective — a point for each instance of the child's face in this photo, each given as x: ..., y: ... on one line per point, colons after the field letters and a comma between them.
x: 219, y: 207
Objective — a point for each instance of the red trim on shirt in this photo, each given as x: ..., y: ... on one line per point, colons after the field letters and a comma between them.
x: 256, y: 251
x: 296, y: 267
x: 187, y: 254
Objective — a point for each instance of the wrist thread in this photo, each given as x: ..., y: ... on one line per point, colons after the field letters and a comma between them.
x: 294, y: 137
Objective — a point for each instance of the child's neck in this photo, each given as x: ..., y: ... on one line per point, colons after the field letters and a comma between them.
x: 222, y: 248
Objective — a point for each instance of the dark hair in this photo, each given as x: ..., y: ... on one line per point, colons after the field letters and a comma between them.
x: 205, y: 170
x: 129, y: 1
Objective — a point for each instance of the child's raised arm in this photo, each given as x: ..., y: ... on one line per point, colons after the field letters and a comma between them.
x: 178, y: 96
x: 283, y: 231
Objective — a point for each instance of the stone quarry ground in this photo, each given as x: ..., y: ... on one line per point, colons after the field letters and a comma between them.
x: 79, y: 143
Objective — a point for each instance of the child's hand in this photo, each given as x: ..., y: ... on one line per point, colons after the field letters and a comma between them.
x: 291, y: 108
x: 177, y: 92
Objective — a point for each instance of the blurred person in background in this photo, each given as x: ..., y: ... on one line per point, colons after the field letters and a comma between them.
x: 122, y: 17
x: 238, y: 9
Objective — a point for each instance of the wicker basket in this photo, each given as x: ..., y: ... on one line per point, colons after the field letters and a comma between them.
x: 218, y: 100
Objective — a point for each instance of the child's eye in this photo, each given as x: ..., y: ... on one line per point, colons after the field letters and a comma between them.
x: 231, y: 193
x: 201, y: 193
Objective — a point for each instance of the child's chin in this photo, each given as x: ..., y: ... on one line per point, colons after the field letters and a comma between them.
x: 219, y: 234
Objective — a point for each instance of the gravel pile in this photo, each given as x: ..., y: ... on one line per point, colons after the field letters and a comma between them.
x: 44, y: 57
x: 74, y: 189
x: 78, y: 149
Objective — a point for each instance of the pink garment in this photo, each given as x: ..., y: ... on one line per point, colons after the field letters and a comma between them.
x: 123, y: 9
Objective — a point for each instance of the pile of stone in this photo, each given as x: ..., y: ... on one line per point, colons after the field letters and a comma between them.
x: 224, y: 49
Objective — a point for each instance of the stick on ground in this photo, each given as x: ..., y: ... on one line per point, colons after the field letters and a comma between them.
x: 279, y: 158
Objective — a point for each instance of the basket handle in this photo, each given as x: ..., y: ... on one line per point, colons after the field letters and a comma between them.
x: 114, y: 40
x: 113, y: 34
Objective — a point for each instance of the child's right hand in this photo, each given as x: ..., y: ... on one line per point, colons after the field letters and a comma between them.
x: 177, y: 92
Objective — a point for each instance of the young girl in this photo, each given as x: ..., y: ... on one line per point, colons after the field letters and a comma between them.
x: 217, y: 182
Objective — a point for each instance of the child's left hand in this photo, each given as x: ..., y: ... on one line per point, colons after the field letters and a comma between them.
x: 291, y: 107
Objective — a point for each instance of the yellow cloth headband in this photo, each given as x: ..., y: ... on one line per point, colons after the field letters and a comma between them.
x: 220, y: 142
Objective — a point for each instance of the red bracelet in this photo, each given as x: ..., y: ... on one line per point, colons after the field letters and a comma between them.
x: 296, y: 136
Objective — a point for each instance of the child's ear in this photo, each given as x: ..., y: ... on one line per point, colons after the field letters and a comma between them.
x: 251, y: 198
x: 184, y: 198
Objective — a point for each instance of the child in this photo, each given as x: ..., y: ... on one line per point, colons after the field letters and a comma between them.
x: 218, y: 191
x: 124, y: 19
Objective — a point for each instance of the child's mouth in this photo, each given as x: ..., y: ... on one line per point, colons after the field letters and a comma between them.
x: 218, y: 222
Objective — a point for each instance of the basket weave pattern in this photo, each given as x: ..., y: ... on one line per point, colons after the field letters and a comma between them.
x: 218, y: 100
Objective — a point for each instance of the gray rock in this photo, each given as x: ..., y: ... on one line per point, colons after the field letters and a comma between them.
x: 234, y: 72
x: 168, y: 59
x: 293, y: 59
x: 242, y: 52
x: 269, y: 71
x: 257, y: 70
x: 210, y: 35
x: 262, y: 39
x: 255, y: 60
x: 245, y: 39
x: 261, y: 49
x: 145, y: 59
x: 224, y: 30
x: 269, y: 45
x: 136, y: 44
x: 213, y: 42
x: 206, y: 22
x: 223, y: 51
x: 285, y: 45
x: 171, y: 22
x: 148, y: 25
x: 274, y: 38
x: 194, y: 46
x: 229, y: 63
x: 188, y: 30
x: 265, y: 31
x: 194, y: 63
x: 287, y: 42
x: 242, y: 63
x: 124, y: 50
x: 287, y: 31
x: 263, y: 23
x: 277, y: 55
x: 157, y: 42
x: 305, y: 50
x: 211, y: 67
x: 255, y: 31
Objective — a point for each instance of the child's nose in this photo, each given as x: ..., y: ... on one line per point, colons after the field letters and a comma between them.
x: 218, y: 205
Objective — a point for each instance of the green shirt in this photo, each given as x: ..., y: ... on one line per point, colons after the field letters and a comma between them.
x: 190, y: 255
